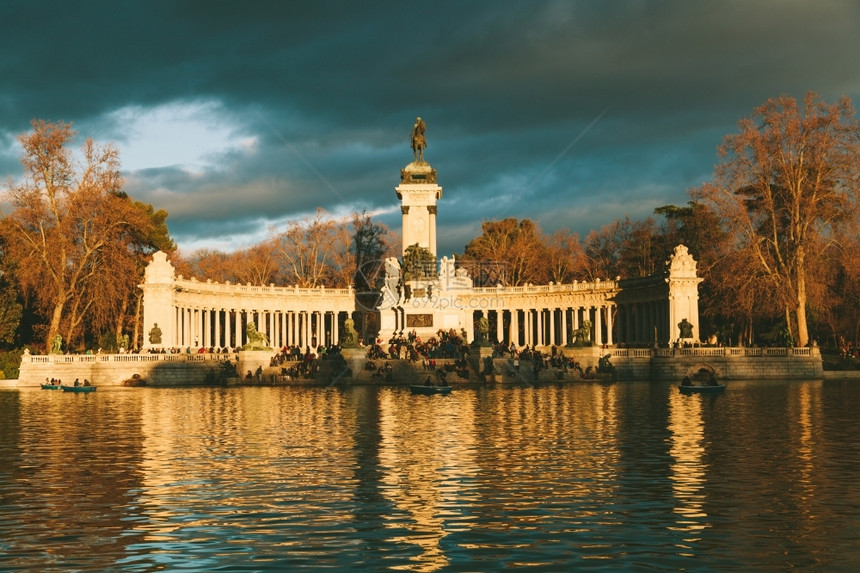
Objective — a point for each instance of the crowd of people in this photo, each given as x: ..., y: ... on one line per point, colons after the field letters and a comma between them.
x: 452, y: 345
x: 190, y: 350
x: 848, y: 349
x: 296, y: 363
x: 446, y: 344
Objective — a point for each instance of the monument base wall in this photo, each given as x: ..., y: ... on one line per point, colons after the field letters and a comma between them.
x: 115, y: 369
x: 630, y: 365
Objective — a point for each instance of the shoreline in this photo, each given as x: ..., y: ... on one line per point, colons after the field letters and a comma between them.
x: 13, y: 383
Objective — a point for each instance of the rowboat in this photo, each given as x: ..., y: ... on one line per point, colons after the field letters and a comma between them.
x: 51, y: 386
x: 701, y: 388
x: 424, y: 389
x: 79, y: 388
x: 703, y: 382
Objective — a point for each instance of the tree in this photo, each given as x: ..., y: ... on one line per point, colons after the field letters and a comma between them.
x: 786, y: 183
x: 508, y: 251
x: 215, y: 265
x: 73, y: 233
x: 697, y: 227
x: 564, y: 257
x: 113, y: 299
x: 369, y: 247
x: 643, y: 253
x: 839, y: 310
x: 315, y: 251
x: 604, y: 250
x: 257, y: 265
x: 11, y: 310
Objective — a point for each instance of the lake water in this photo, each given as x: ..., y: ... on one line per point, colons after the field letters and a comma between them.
x: 628, y: 476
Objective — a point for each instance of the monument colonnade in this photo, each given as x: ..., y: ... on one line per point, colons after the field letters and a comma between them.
x: 188, y: 313
x: 555, y: 314
x: 543, y: 315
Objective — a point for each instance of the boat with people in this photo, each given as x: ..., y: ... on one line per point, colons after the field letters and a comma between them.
x: 701, y: 388
x: 701, y: 382
x: 52, y: 384
x: 79, y: 388
x: 429, y: 388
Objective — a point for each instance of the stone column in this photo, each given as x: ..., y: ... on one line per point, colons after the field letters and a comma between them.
x: 206, y: 338
x: 239, y: 338
x: 552, y: 326
x: 227, y: 341
x: 218, y: 343
x: 291, y: 328
x: 529, y: 320
x: 177, y: 323
x: 274, y: 334
x: 197, y: 322
x: 564, y: 339
x: 335, y: 327
x: 609, y: 326
x: 469, y: 322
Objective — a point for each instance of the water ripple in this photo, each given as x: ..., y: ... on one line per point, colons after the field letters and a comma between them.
x: 587, y: 476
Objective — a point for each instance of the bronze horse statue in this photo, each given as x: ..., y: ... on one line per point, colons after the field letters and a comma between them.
x: 418, y: 141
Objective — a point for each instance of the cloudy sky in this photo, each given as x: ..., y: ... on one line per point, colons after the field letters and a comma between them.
x: 239, y: 116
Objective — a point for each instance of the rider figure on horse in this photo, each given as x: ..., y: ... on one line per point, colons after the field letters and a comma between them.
x: 418, y: 140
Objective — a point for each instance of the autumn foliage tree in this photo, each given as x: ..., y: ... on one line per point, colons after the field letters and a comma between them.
x: 786, y: 184
x: 77, y: 239
x: 370, y: 245
x: 314, y: 251
x: 565, y: 257
x: 626, y: 249
x: 11, y: 309
x: 508, y: 251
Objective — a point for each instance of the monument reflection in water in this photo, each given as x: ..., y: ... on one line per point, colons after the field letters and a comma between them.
x: 579, y: 476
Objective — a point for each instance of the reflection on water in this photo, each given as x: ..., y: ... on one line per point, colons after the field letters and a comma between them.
x: 587, y: 476
x: 689, y: 469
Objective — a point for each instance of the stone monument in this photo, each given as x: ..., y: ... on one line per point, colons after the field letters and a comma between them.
x: 683, y: 293
x: 418, y: 193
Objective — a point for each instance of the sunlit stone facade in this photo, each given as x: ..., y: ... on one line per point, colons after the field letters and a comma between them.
x: 190, y: 313
x: 198, y: 314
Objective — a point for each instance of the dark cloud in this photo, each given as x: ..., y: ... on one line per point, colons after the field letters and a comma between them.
x: 309, y: 104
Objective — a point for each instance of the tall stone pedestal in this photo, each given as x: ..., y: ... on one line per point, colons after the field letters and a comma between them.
x: 250, y: 360
x: 355, y: 359
x: 477, y: 356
